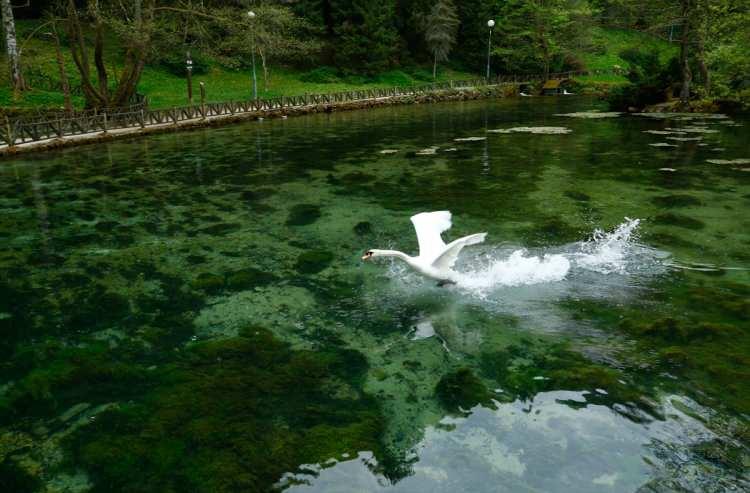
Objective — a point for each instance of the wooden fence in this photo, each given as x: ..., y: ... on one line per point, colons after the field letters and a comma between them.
x: 14, y: 132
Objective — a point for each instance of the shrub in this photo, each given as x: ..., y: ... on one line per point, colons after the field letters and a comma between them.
x: 321, y: 75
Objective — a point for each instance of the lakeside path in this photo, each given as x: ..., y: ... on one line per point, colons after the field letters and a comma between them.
x: 455, y: 93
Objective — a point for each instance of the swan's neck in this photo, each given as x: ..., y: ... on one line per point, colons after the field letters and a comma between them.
x: 392, y: 253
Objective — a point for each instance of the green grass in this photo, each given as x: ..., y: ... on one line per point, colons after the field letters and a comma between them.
x: 164, y: 89
x: 612, y: 42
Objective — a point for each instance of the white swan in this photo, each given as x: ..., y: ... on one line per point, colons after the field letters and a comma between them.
x: 566, y: 93
x: 436, y: 259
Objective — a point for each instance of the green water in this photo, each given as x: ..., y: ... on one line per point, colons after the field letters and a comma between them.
x: 189, y: 312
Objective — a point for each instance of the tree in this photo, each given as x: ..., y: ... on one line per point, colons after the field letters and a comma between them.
x: 275, y: 33
x: 440, y: 28
x: 366, y: 39
x: 134, y: 24
x: 534, y: 34
x: 11, y: 45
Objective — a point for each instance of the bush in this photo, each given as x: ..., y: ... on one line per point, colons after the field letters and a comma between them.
x: 651, y: 82
x: 321, y: 75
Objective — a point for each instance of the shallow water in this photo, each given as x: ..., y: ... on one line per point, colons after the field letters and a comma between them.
x: 189, y: 312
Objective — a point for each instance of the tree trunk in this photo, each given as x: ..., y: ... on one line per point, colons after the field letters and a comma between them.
x: 14, y: 56
x: 134, y: 60
x: 64, y: 83
x: 265, y: 69
x: 687, y: 75
x: 701, y: 56
x: 434, y: 67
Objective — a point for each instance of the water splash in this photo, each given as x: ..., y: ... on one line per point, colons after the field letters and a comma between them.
x: 609, y: 253
x: 614, y: 252
x: 518, y: 269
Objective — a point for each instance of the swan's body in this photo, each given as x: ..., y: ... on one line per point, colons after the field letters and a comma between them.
x: 524, y: 94
x: 566, y: 93
x: 435, y: 259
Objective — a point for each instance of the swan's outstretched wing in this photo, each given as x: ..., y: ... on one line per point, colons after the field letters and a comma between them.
x: 428, y: 226
x: 448, y: 258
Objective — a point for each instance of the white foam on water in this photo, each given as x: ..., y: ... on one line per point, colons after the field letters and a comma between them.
x: 608, y: 253
x: 612, y: 252
x: 518, y: 269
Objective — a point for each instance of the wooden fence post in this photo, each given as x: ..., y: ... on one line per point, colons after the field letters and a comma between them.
x: 11, y: 139
x: 104, y: 122
x: 203, y: 100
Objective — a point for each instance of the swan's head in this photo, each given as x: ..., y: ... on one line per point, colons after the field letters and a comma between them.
x: 369, y: 254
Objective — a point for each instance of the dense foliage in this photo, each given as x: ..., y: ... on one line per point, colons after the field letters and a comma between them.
x: 361, y: 38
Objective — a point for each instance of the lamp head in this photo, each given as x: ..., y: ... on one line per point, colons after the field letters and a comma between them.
x: 490, y: 23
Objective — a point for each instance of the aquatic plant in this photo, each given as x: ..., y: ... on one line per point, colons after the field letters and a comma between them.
x: 303, y: 214
x: 232, y: 415
x: 461, y: 390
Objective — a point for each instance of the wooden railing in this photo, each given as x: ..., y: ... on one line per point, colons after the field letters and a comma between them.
x: 19, y: 131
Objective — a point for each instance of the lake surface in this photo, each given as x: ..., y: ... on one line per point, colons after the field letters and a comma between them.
x: 189, y: 312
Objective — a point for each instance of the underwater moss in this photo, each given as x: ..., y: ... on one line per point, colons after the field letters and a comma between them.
x: 313, y: 261
x: 670, y: 201
x: 363, y: 228
x: 679, y: 220
x: 215, y: 421
x: 577, y: 195
x: 248, y: 278
x: 14, y: 479
x: 61, y: 376
x: 549, y: 231
x: 303, y: 214
x: 220, y: 229
x: 210, y: 283
x: 462, y: 390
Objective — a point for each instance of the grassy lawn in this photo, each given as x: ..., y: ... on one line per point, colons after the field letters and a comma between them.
x: 165, y: 89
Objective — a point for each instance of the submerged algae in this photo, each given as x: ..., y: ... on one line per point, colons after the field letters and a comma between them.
x: 232, y: 415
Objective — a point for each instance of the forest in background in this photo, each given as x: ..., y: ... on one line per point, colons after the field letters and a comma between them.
x: 105, y: 46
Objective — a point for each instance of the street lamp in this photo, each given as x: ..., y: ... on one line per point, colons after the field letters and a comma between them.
x: 251, y: 16
x: 490, y: 24
x: 189, y: 68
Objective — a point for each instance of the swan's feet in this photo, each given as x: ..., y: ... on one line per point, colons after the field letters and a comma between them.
x: 442, y: 284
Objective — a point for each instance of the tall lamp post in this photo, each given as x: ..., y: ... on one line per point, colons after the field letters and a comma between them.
x: 251, y: 16
x: 490, y: 24
x: 189, y: 68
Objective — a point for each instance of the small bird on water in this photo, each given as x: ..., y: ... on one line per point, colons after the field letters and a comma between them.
x: 435, y: 259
